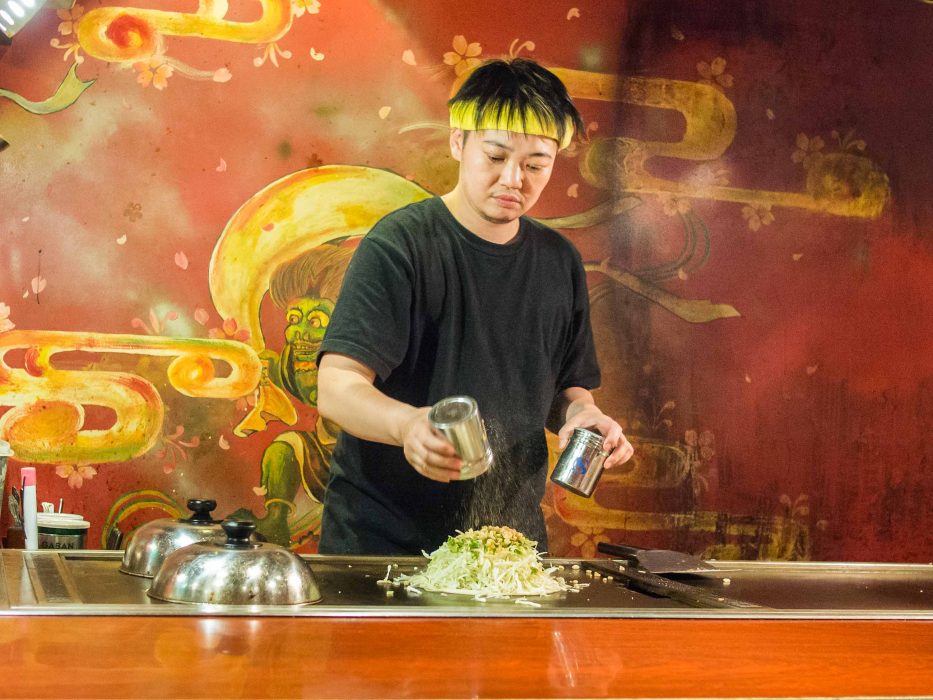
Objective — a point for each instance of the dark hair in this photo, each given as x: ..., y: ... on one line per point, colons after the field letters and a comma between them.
x: 519, y: 86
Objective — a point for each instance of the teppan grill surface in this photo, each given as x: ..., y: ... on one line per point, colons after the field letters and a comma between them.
x: 88, y: 583
x: 72, y: 626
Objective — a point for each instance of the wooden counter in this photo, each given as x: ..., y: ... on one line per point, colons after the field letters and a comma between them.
x: 173, y: 657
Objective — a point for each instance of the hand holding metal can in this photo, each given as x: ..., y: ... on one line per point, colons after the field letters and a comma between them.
x: 458, y: 419
x: 581, y: 463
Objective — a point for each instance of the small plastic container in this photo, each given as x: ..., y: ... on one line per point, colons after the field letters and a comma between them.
x: 581, y: 463
x: 62, y: 530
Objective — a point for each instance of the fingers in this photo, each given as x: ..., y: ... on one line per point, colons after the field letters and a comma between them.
x: 437, y: 467
x: 621, y: 453
x: 563, y: 435
x: 428, y: 452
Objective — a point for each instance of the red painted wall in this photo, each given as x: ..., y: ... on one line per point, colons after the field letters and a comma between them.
x: 793, y: 423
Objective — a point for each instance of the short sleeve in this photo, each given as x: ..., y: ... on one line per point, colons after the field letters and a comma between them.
x: 372, y: 317
x: 580, y: 367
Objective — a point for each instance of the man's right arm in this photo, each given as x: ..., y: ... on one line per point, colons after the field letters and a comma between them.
x: 347, y: 396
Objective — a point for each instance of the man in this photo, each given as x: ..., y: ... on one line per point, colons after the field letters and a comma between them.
x: 462, y: 294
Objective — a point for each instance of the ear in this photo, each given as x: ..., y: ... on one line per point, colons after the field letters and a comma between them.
x: 456, y: 143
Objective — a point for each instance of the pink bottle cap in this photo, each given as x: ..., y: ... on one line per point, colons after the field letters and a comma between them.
x: 29, y: 476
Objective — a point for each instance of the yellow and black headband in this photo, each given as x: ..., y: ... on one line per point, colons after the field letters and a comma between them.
x: 463, y: 116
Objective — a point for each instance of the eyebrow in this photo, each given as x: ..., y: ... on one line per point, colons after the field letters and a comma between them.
x: 506, y: 147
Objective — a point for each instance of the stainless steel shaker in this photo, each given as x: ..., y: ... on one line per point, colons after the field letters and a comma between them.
x: 458, y: 419
x: 581, y: 463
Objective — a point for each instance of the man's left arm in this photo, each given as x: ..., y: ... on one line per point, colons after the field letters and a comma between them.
x: 575, y: 407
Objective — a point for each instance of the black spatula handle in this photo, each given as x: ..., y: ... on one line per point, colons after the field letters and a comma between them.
x: 618, y: 550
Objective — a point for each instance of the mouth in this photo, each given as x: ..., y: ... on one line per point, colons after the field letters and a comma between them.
x: 509, y: 201
x: 304, y: 353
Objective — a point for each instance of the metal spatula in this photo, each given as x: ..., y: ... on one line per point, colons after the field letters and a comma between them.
x: 659, y: 561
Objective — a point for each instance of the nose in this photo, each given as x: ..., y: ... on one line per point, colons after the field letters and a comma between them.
x: 511, y: 175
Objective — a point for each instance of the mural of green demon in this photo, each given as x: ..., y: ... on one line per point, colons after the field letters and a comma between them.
x: 305, y: 289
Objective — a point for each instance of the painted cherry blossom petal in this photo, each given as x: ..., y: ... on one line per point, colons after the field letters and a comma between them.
x: 316, y: 55
x: 572, y: 191
x: 25, y: 219
x: 811, y: 369
x: 230, y: 326
x: 797, y: 256
x: 37, y: 284
x: 573, y: 12
x: 408, y: 56
x: 122, y: 240
x: 384, y: 112
x: 222, y: 443
x: 259, y: 490
x: 201, y: 316
x: 222, y: 168
x: 181, y: 260
x: 87, y: 471
x: 222, y: 75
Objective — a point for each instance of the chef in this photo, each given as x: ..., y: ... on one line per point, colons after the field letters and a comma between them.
x: 462, y: 295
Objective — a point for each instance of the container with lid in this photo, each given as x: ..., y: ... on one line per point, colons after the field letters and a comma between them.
x: 581, y: 463
x: 235, y: 570
x: 153, y: 542
x: 62, y: 530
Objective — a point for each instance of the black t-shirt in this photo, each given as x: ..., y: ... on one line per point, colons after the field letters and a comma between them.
x: 437, y: 311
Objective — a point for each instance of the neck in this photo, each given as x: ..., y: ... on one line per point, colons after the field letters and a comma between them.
x: 493, y: 231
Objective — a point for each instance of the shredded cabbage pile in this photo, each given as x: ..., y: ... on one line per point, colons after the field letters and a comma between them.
x: 492, y: 562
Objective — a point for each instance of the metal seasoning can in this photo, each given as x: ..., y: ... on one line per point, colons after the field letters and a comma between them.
x: 458, y: 419
x: 581, y: 463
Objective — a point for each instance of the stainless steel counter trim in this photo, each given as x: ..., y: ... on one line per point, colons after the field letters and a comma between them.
x: 22, y: 600
x: 173, y: 610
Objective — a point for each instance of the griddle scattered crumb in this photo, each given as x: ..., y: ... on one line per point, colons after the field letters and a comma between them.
x: 525, y: 601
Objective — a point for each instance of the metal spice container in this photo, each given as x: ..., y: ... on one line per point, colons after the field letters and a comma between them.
x: 458, y: 419
x: 581, y: 463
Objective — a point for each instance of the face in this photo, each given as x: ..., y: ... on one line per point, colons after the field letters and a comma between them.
x: 502, y: 173
x: 307, y: 322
